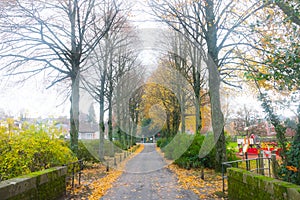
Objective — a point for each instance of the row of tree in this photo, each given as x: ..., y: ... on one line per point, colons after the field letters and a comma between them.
x: 91, y: 43
x: 81, y: 45
x: 224, y: 42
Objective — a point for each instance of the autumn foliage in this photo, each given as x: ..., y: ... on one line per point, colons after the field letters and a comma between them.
x: 190, y: 180
x: 101, y: 186
x: 31, y: 148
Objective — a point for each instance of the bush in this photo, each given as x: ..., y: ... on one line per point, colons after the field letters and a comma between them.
x: 162, y: 142
x: 119, y: 144
x: 89, y: 149
x: 177, y: 146
x: 190, y: 159
x: 158, y: 142
x: 230, y: 152
x: 86, y: 150
x: 30, y: 149
x: 290, y: 172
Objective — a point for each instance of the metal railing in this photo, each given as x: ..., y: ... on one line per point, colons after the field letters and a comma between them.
x: 74, y: 172
x: 259, y: 165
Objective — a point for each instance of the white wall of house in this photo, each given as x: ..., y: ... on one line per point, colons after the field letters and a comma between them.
x: 88, y: 135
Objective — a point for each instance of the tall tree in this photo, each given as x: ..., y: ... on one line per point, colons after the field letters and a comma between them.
x: 187, y: 60
x: 134, y: 110
x: 211, y: 26
x: 124, y: 61
x: 55, y: 38
x: 111, y: 60
x: 128, y: 94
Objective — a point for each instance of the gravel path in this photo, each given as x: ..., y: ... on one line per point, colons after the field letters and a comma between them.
x: 146, y: 178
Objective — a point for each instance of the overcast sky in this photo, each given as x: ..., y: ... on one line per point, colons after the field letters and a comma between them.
x: 34, y: 100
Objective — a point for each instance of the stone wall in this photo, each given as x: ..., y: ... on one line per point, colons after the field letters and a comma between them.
x: 47, y: 184
x: 246, y: 185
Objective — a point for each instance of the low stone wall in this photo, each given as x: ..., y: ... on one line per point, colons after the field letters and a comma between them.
x: 246, y: 185
x: 119, y: 157
x: 47, y: 184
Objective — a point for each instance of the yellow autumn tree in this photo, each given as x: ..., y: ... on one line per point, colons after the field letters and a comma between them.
x: 175, y: 103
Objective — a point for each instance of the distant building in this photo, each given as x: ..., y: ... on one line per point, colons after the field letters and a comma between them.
x: 261, y: 127
x: 88, y: 127
x: 88, y: 131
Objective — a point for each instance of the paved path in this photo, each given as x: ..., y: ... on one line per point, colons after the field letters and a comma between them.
x: 146, y: 178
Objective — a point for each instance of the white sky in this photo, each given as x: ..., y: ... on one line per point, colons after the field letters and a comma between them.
x: 33, y: 100
x: 36, y: 101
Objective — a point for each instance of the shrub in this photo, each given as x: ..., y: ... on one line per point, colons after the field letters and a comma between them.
x: 290, y: 172
x: 119, y: 144
x: 190, y: 159
x: 89, y: 149
x: 230, y: 152
x: 30, y: 149
x: 158, y: 142
x: 177, y: 146
x: 162, y: 142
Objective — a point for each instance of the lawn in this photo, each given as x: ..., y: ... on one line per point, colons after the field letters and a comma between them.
x: 233, y: 145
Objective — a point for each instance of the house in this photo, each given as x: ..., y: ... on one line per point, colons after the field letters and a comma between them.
x: 88, y: 130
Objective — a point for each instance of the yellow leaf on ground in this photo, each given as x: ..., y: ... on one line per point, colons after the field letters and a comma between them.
x: 101, y: 186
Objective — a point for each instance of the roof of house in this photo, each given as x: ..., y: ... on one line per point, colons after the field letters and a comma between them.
x: 87, y: 127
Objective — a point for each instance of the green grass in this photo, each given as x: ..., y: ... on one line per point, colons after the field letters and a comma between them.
x: 233, y: 145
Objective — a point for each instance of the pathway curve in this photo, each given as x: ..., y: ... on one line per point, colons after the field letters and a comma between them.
x: 145, y: 177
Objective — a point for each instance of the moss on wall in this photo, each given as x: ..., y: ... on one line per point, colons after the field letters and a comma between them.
x: 47, y: 184
x: 246, y: 185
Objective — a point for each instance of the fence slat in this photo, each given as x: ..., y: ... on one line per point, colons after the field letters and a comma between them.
x: 74, y: 172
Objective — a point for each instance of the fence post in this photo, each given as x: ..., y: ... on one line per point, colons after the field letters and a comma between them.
x: 73, y: 175
x: 261, y: 163
x: 80, y: 171
x: 247, y: 162
x: 223, y: 181
x: 257, y: 164
x: 107, y: 166
x: 274, y: 164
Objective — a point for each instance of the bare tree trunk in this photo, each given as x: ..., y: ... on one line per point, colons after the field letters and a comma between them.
x: 101, y: 120
x: 136, y: 121
x: 183, y: 112
x: 110, y: 128
x: 118, y: 110
x: 214, y: 86
x: 110, y: 96
x: 74, y: 111
x: 74, y: 115
x: 198, y: 116
x: 111, y: 49
x: 102, y: 130
x: 196, y: 60
x: 124, y: 122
